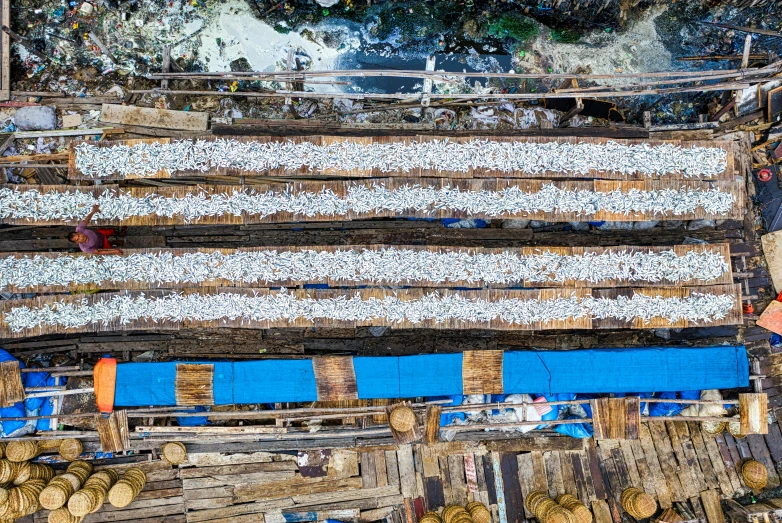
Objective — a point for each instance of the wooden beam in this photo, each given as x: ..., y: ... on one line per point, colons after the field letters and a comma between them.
x: 5, y: 51
x: 753, y: 413
x: 745, y: 54
x: 160, y: 118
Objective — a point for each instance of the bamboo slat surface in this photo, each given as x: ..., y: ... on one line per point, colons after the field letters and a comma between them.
x: 341, y: 189
x: 734, y: 317
x: 75, y: 174
x: 721, y: 249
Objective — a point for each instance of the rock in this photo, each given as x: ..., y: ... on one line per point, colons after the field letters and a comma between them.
x: 536, y: 224
x: 645, y: 225
x: 327, y: 3
x: 71, y: 120
x: 616, y: 226
x: 515, y: 224
x: 694, y: 225
x: 672, y: 224
x: 36, y: 118
x: 579, y: 226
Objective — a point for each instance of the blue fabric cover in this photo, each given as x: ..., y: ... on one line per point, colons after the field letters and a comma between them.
x: 270, y: 381
x: 548, y: 372
x: 626, y: 370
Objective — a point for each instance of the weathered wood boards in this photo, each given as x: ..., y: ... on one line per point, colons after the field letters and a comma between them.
x: 306, y: 171
x: 753, y: 413
x: 11, y: 388
x: 616, y: 418
x: 393, y: 302
x: 150, y: 117
x: 194, y: 384
x: 166, y: 268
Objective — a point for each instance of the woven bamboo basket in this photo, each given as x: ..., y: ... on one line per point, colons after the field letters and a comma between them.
x: 63, y: 515
x: 558, y: 514
x: 175, y: 453
x: 49, y: 444
x: 103, y: 479
x: 56, y: 493
x: 533, y: 499
x: 22, y: 450
x: 644, y: 506
x: 34, y: 471
x: 3, y: 495
x: 626, y: 495
x: 8, y: 470
x: 451, y: 511
x: 81, y: 503
x: 81, y: 465
x: 122, y: 494
x: 70, y: 449
x: 2, y: 449
x: 402, y: 419
x: 755, y: 474
x: 713, y: 427
x: 430, y: 517
x: 579, y: 510
x: 543, y: 508
x: 479, y: 512
x: 71, y: 478
x: 734, y: 428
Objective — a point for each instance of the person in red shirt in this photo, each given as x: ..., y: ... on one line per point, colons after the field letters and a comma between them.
x: 93, y: 241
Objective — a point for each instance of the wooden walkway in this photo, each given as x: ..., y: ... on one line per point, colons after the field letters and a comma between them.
x: 673, y: 461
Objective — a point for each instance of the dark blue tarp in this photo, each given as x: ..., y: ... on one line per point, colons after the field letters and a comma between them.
x: 541, y: 372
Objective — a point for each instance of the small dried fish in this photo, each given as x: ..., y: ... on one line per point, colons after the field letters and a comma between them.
x: 391, y: 265
x: 366, y: 197
x: 581, y: 159
x: 443, y: 307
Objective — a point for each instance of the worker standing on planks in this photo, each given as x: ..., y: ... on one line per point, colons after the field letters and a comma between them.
x: 94, y: 241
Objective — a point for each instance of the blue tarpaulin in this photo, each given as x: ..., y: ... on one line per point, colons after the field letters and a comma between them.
x: 543, y: 372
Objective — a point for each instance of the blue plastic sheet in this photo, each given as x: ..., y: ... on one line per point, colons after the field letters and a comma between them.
x: 548, y: 372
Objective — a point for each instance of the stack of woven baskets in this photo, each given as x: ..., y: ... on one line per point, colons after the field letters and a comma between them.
x: 93, y: 493
x: 125, y: 490
x: 175, y: 453
x: 638, y: 503
x: 755, y: 474
x: 473, y: 512
x: 565, y: 509
x: 26, y: 480
x: 60, y: 488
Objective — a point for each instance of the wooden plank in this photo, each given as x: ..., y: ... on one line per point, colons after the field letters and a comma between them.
x: 471, y: 474
x: 726, y: 487
x: 753, y: 413
x: 215, y: 459
x: 435, y: 497
x: 601, y: 511
x: 404, y: 456
x: 556, y: 484
x: 609, y: 418
x: 621, y: 467
x: 335, y: 378
x: 488, y: 472
x: 691, y: 476
x: 502, y: 511
x: 432, y: 427
x: 707, y: 470
x: 539, y: 471
x: 526, y: 475
x: 5, y: 50
x: 220, y: 480
x: 665, y: 455
x: 664, y: 497
x: 596, y: 475
x: 514, y: 508
x: 392, y: 468
x: 568, y: 481
x: 248, y: 468
x: 431, y: 466
x: 368, y: 471
x: 380, y: 468
x: 457, y: 479
x: 580, y: 479
x: 343, y: 463
x: 634, y: 475
x: 445, y: 477
x: 728, y: 461
x: 483, y: 487
x: 609, y: 473
x: 158, y: 118
x: 711, y: 506
x: 256, y: 491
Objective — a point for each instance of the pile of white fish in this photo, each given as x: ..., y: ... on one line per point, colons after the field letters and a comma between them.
x: 365, y: 198
x: 581, y: 159
x: 391, y: 309
x: 383, y: 266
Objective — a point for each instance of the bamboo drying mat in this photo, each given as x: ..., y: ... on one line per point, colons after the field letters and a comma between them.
x: 75, y: 174
x: 733, y: 318
x: 722, y: 249
x: 735, y: 187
